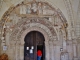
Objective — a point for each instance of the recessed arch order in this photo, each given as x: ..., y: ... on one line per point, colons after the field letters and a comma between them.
x: 38, y: 16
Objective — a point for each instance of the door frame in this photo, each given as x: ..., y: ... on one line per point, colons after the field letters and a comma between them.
x: 35, y: 43
x: 46, y: 41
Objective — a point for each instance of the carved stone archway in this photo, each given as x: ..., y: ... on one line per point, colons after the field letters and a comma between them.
x: 46, y: 42
x: 17, y: 23
x: 35, y: 24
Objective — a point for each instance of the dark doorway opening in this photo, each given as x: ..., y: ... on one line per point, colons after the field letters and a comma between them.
x: 34, y: 40
x: 42, y: 48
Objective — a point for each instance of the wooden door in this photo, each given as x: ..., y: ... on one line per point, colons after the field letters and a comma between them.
x: 34, y: 40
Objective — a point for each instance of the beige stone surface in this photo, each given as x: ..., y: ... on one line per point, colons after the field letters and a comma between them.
x: 57, y: 20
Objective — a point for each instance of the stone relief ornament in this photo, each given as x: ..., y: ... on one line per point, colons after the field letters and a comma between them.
x: 1, y: 2
x: 64, y: 56
x: 33, y: 8
x: 34, y: 16
x: 28, y: 9
x: 36, y: 8
x: 23, y: 9
x: 40, y: 8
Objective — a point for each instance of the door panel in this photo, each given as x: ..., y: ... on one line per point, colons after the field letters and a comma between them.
x: 32, y: 39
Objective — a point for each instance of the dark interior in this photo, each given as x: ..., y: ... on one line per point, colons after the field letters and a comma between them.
x: 35, y: 39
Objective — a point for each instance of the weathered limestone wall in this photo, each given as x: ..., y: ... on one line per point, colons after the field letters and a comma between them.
x: 61, y: 42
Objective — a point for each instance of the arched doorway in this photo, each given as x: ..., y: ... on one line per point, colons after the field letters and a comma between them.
x: 34, y: 41
x: 47, y: 20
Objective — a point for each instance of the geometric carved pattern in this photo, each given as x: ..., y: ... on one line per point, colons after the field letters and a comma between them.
x: 38, y: 19
x: 43, y: 9
x: 26, y: 23
x: 43, y: 12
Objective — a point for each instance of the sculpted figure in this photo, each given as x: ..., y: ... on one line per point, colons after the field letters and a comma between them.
x: 34, y: 7
x: 40, y: 8
x: 29, y: 9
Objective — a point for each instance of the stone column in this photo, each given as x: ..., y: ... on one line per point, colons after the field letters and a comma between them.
x: 64, y: 42
x: 51, y: 51
x: 70, y: 49
x: 14, y: 52
x: 46, y: 50
x: 54, y: 49
x: 74, y: 50
x: 21, y: 52
x: 64, y: 45
x: 57, y: 54
x: 78, y: 51
x: 17, y: 51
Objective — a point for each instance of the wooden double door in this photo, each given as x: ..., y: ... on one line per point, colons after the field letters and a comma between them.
x: 34, y: 41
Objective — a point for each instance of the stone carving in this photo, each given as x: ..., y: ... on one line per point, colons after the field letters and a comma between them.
x: 23, y: 9
x: 28, y: 9
x: 33, y: 16
x: 36, y: 8
x: 24, y: 25
x: 2, y: 2
x: 64, y: 56
x: 42, y: 8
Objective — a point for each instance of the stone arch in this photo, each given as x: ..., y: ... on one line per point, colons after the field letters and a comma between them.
x: 35, y: 24
x: 45, y: 36
x: 57, y: 11
x: 38, y: 22
x: 28, y: 22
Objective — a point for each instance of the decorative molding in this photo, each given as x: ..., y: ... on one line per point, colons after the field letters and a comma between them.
x: 57, y: 15
x: 21, y: 23
x: 50, y: 8
x: 31, y: 22
x: 70, y: 11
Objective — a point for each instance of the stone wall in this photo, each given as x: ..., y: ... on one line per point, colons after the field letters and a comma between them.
x: 17, y: 22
